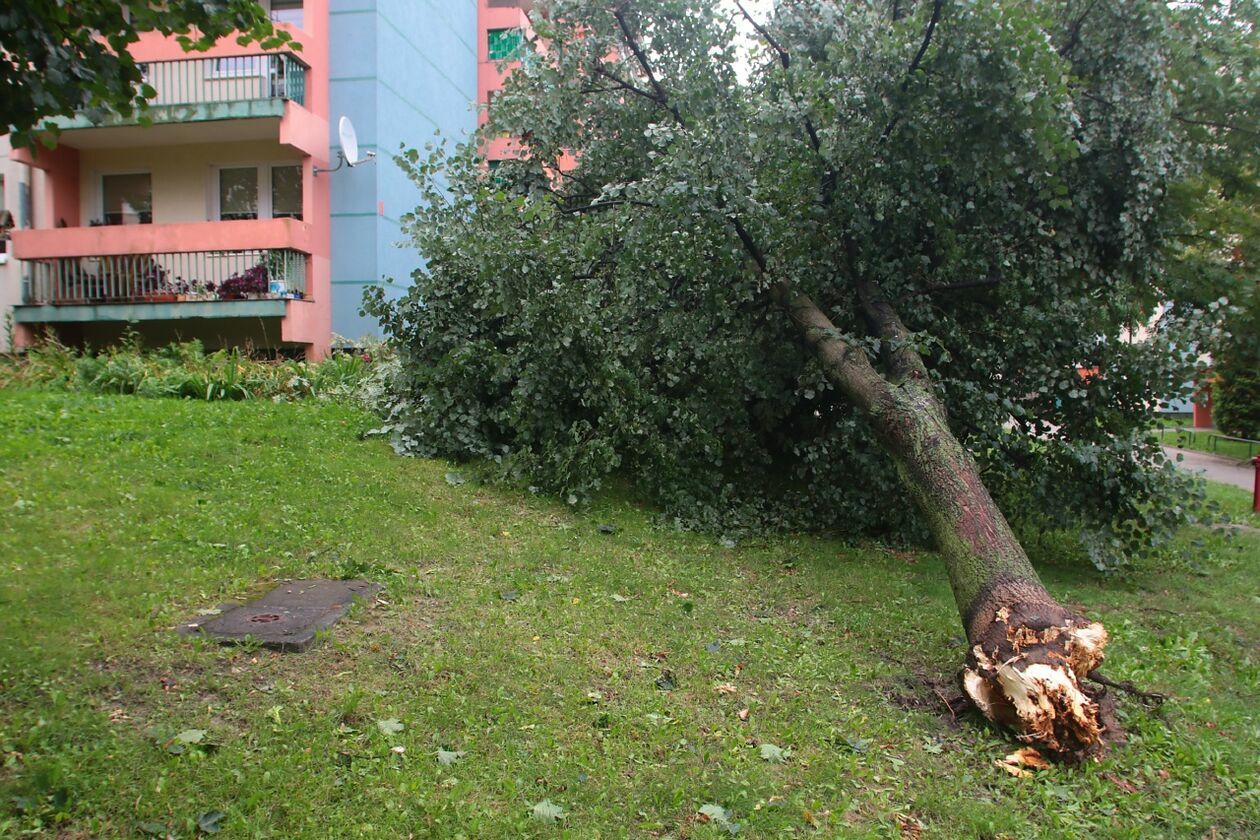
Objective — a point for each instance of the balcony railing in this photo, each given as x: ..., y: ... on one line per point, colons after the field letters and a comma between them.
x: 257, y: 274
x: 196, y: 81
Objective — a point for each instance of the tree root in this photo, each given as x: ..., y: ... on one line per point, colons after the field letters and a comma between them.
x: 1149, y: 698
x: 1024, y: 671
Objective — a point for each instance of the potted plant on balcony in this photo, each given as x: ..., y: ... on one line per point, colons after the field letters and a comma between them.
x: 148, y: 278
x: 250, y: 284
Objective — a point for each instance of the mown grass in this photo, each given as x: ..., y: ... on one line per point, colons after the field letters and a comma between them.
x: 515, y: 631
x: 1207, y: 441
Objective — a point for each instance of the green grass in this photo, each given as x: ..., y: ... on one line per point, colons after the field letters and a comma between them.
x: 1210, y: 442
x: 514, y: 631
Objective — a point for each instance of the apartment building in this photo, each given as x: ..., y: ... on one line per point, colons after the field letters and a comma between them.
x: 222, y: 219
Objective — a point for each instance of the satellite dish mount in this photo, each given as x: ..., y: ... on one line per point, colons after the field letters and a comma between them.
x: 348, y: 154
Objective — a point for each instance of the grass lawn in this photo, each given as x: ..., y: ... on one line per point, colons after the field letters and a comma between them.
x: 1202, y: 441
x: 521, y: 657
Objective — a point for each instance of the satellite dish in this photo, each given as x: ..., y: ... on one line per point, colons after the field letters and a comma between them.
x: 349, y: 141
x: 349, y: 153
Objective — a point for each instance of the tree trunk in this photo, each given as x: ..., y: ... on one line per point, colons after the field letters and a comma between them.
x: 1028, y: 654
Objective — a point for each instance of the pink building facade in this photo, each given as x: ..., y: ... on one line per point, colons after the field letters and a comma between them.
x: 210, y: 222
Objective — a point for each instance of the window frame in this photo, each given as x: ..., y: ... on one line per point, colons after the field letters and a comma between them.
x: 100, y: 193
x: 301, y: 7
x: 517, y: 51
x: 262, y: 172
x: 215, y: 71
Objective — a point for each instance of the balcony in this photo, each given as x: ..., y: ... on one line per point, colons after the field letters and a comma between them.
x: 244, y: 269
x: 201, y: 90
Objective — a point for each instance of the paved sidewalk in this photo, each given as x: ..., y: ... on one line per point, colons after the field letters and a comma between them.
x: 1214, y: 467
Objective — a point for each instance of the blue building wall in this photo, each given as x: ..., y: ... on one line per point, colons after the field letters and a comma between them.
x: 401, y: 70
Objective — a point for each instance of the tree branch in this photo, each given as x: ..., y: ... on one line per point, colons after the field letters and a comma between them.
x: 604, y: 205
x: 914, y: 64
x: 627, y: 86
x: 785, y: 59
x: 1074, y: 31
x: 923, y: 48
x: 619, y: 13
x: 1180, y: 117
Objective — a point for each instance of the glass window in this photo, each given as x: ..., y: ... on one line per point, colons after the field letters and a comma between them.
x: 287, y: 11
x: 286, y: 192
x: 505, y: 44
x: 238, y: 193
x: 237, y: 65
x: 128, y: 199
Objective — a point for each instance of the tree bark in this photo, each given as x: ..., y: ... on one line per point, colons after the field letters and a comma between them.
x: 1028, y: 654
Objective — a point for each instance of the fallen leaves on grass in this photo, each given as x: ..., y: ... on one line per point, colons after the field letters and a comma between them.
x: 448, y: 757
x: 774, y: 753
x: 910, y: 828
x: 1023, y: 758
x: 719, y: 816
x: 742, y: 714
x: 725, y: 688
x: 1124, y: 784
x: 548, y: 812
x: 390, y: 726
x: 210, y: 822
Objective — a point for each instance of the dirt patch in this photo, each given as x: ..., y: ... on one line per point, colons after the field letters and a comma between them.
x: 931, y: 694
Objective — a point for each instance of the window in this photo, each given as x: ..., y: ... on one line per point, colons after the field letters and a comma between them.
x: 127, y: 199
x: 238, y: 193
x: 286, y: 192
x: 287, y: 11
x: 260, y: 192
x: 236, y: 66
x: 505, y: 44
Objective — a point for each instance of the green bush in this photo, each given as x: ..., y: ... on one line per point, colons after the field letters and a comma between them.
x: 1237, y: 402
x: 1236, y: 393
x: 187, y: 371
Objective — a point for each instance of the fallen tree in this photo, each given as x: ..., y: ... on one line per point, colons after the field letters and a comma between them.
x: 758, y: 296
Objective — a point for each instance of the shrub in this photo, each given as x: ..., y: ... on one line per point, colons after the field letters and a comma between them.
x: 1236, y: 392
x: 185, y: 370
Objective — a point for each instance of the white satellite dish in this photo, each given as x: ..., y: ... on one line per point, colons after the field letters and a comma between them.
x: 348, y: 154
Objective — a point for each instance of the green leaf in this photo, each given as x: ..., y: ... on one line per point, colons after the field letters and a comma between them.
x: 720, y: 817
x: 390, y: 726
x: 548, y: 812
x: 209, y: 822
x: 191, y: 736
x: 774, y: 754
x: 448, y: 757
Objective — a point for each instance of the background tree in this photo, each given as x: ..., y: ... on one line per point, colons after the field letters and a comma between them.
x: 1217, y: 248
x: 58, y: 58
x: 1236, y: 368
x: 897, y: 260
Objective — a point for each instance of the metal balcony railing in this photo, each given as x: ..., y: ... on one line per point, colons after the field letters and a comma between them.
x: 259, y: 274
x: 243, y: 78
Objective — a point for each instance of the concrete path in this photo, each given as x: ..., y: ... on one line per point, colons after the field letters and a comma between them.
x: 1214, y: 467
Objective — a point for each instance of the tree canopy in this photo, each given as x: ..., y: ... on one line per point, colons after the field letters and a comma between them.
x: 59, y: 58
x: 1003, y: 171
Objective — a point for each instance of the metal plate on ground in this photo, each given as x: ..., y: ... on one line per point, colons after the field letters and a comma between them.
x: 286, y: 618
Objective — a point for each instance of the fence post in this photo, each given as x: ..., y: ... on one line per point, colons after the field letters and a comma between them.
x: 1255, y: 493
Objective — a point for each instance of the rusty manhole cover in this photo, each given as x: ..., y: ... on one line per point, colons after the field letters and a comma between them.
x: 286, y: 618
